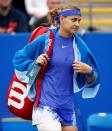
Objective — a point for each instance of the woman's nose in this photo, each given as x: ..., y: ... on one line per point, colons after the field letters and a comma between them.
x: 77, y: 23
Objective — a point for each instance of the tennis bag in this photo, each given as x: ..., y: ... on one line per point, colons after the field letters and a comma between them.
x: 17, y: 101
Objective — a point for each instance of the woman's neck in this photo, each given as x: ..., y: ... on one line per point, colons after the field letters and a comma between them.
x: 64, y: 33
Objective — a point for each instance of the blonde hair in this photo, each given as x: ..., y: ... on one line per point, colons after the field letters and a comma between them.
x: 55, y: 12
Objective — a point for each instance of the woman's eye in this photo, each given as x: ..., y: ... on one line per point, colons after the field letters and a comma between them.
x: 79, y: 20
x: 73, y: 20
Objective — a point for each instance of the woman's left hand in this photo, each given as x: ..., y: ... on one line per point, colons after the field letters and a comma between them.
x: 81, y: 67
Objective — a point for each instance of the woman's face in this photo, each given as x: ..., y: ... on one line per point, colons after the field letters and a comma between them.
x: 70, y: 24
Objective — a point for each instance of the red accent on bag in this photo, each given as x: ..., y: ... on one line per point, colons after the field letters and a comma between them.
x: 42, y: 71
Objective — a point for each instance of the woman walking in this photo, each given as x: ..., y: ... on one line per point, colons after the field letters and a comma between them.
x: 71, y: 67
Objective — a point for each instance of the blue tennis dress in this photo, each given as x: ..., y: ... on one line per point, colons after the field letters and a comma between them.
x: 57, y: 86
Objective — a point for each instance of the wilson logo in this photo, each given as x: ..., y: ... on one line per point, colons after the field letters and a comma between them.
x: 16, y: 99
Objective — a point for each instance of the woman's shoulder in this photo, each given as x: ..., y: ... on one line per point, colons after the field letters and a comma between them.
x: 35, y: 45
x: 40, y: 38
x: 81, y: 43
x: 38, y: 41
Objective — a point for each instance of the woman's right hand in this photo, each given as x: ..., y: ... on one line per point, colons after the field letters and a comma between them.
x: 42, y: 59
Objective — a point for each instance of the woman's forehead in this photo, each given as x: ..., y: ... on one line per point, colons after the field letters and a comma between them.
x: 75, y: 16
